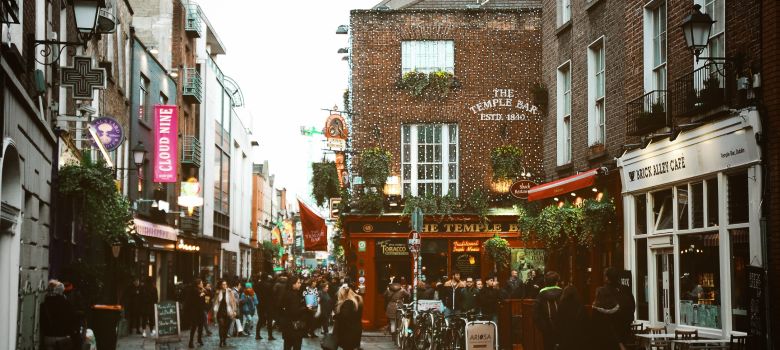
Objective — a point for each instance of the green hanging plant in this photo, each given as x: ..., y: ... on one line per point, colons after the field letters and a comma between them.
x: 498, y: 250
x: 324, y: 181
x: 555, y: 225
x: 431, y: 205
x: 271, y: 250
x: 507, y: 162
x: 433, y: 85
x: 596, y: 217
x: 370, y: 202
x: 104, y: 212
x: 477, y: 202
x: 375, y: 167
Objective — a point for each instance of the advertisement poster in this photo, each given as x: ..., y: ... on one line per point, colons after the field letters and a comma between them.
x: 526, y: 259
x: 166, y: 146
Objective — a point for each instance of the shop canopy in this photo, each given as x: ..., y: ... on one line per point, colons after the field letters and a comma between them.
x: 563, y: 186
x: 148, y: 229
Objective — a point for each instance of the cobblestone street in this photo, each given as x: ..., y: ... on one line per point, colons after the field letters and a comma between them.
x: 135, y: 342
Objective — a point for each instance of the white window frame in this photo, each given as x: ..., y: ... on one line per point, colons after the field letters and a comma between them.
x: 413, y: 163
x: 716, y: 47
x: 563, y: 11
x: 427, y: 56
x: 563, y: 111
x: 655, y: 73
x: 597, y: 129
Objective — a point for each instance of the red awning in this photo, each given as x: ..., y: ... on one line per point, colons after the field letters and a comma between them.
x: 565, y: 185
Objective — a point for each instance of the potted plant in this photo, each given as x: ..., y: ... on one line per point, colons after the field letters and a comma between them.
x: 712, y: 94
x: 539, y: 95
x: 507, y: 162
x: 433, y: 85
x: 654, y: 118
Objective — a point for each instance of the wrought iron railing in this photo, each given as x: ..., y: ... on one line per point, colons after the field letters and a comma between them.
x: 704, y: 91
x: 647, y: 113
x: 190, y: 151
x: 193, y: 86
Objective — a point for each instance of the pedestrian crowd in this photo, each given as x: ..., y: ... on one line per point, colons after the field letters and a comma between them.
x: 558, y: 313
x: 296, y: 305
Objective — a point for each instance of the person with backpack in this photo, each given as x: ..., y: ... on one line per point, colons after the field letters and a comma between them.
x: 248, y: 304
x: 546, y: 309
x: 395, y: 295
x: 613, y: 312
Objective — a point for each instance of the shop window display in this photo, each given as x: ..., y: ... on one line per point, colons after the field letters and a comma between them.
x: 700, y: 294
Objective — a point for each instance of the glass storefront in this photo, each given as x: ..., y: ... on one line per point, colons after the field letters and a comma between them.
x: 686, y: 274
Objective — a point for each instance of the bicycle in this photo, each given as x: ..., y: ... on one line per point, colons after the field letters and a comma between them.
x: 403, y: 330
x: 454, y: 334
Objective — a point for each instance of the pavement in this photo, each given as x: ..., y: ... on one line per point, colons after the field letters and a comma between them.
x: 371, y: 340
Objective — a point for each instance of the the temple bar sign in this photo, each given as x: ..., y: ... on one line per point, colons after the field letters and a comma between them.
x: 443, y: 227
x: 503, y: 105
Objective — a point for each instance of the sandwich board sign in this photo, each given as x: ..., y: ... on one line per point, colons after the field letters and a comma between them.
x: 166, y: 319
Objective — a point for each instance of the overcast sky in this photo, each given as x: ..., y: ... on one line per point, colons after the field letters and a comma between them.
x: 283, y: 55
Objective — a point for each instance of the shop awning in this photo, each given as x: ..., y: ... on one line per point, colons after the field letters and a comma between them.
x: 148, y: 229
x: 562, y: 186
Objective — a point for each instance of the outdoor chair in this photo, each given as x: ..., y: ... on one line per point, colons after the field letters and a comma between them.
x: 680, y: 334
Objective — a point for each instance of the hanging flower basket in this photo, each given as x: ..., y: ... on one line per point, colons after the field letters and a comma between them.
x: 434, y: 85
x: 507, y: 162
x: 498, y: 250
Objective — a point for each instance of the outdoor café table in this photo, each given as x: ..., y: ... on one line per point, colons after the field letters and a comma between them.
x: 653, y: 339
x: 701, y: 343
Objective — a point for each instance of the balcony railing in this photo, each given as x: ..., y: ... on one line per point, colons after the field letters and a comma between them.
x: 703, y: 92
x: 646, y: 114
x: 191, y: 223
x: 193, y: 86
x: 193, y: 25
x: 190, y: 151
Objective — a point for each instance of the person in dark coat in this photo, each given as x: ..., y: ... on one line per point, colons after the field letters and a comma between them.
x: 572, y: 322
x: 424, y: 291
x: 488, y: 300
x: 148, y: 299
x: 469, y: 296
x: 195, y: 305
x: 266, y: 310
x: 293, y: 315
x: 131, y: 302
x: 58, y: 319
x: 279, y: 289
x: 74, y: 297
x: 326, y: 307
x: 349, y: 312
x: 395, y: 295
x: 546, y: 308
x: 534, y: 283
x: 613, y: 312
x: 514, y: 286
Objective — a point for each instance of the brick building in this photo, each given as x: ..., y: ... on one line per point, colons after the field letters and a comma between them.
x: 583, y: 60
x: 440, y: 144
x: 693, y: 171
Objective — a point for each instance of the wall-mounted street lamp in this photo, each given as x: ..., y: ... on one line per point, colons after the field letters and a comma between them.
x: 139, y: 156
x: 342, y: 29
x: 89, y: 21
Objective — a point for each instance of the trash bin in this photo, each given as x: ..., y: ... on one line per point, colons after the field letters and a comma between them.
x: 103, y: 322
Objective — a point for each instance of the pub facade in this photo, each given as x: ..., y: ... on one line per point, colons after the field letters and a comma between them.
x: 439, y: 86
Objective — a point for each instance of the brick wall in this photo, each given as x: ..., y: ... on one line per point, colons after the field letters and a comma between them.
x: 493, y: 50
x: 570, y: 43
x: 770, y: 56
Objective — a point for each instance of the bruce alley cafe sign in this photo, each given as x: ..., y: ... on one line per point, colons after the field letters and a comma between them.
x: 443, y: 227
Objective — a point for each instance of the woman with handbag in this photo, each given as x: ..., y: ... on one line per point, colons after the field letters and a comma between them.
x: 293, y: 315
x: 226, y: 309
x: 349, y: 311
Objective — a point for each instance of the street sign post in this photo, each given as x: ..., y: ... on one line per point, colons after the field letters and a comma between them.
x: 414, y: 248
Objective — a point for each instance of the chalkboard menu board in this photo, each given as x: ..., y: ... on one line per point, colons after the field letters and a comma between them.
x: 756, y: 305
x: 468, y: 264
x: 166, y: 316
